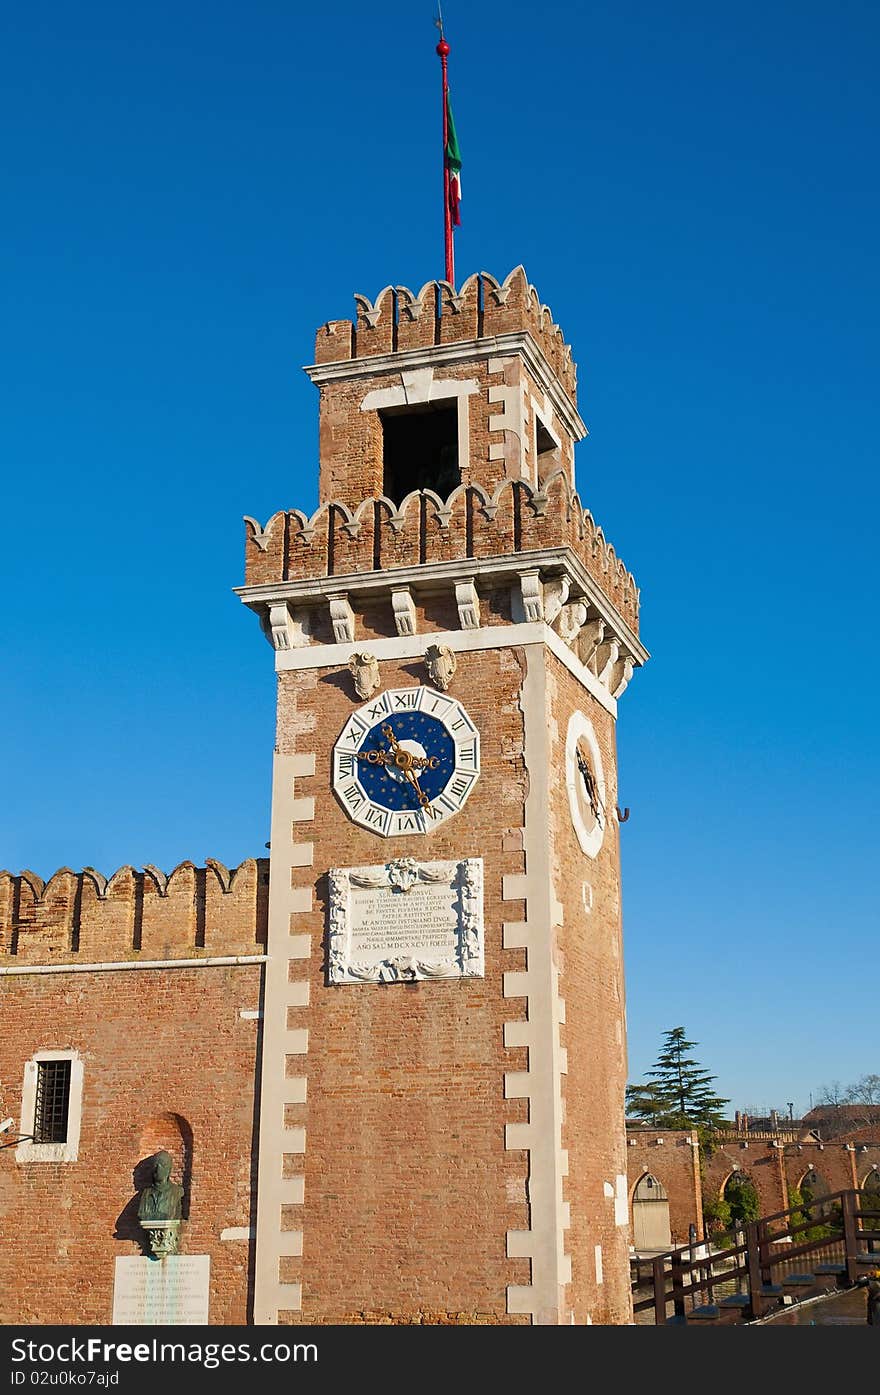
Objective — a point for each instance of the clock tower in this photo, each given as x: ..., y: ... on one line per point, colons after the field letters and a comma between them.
x: 441, y: 1111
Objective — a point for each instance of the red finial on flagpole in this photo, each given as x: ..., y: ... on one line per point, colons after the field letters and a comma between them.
x: 443, y: 54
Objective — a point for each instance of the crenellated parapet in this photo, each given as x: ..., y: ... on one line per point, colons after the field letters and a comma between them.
x: 400, y: 320
x: 84, y: 917
x: 520, y: 555
x: 447, y: 495
x: 517, y: 518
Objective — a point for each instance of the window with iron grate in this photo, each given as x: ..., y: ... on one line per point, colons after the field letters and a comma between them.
x: 52, y: 1102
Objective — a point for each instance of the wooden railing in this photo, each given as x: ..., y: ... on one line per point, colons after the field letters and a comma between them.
x: 757, y: 1265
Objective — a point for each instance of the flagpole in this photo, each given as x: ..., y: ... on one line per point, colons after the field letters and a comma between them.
x: 443, y: 53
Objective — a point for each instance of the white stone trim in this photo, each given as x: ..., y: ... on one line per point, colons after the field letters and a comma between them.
x: 543, y: 1299
x: 238, y: 1232
x: 68, y: 1151
x: 581, y: 728
x: 491, y: 347
x: 281, y: 1040
x: 510, y: 397
x: 461, y: 642
x: 113, y: 966
x: 436, y: 577
x: 419, y: 387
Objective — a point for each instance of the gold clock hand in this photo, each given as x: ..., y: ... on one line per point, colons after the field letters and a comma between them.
x: 405, y: 760
x: 422, y: 798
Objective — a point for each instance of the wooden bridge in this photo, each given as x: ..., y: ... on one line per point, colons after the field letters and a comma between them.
x: 799, y: 1253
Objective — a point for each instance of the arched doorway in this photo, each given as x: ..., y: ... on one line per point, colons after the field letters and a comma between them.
x: 651, y: 1215
x: 871, y: 1202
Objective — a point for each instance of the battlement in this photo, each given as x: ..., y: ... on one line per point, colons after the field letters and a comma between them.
x: 85, y: 917
x: 399, y: 320
x: 380, y: 536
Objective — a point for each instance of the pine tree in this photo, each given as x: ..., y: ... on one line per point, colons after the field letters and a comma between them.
x: 679, y: 1094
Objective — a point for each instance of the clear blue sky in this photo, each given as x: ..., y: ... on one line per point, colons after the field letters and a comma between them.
x: 190, y: 189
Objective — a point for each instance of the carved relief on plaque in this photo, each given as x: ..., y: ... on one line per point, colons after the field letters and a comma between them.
x: 405, y: 920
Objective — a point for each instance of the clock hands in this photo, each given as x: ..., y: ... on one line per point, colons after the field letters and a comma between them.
x: 590, y: 786
x: 404, y: 761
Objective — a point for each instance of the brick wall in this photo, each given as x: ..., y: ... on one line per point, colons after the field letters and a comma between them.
x: 675, y: 1162
x: 408, y: 1188
x: 168, y: 1062
x: 591, y: 982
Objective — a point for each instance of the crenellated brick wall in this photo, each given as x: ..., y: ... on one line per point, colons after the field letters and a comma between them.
x: 86, y: 917
x: 483, y: 308
x: 376, y: 536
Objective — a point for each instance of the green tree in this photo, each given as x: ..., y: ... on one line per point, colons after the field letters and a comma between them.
x: 679, y: 1092
x: 716, y: 1217
x: 742, y: 1198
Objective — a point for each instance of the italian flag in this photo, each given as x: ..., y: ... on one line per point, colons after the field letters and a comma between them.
x: 453, y: 166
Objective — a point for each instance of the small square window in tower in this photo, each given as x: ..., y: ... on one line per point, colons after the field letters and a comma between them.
x: 420, y: 449
x: 52, y: 1102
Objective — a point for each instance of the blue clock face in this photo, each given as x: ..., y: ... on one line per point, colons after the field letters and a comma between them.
x: 397, y: 784
x: 406, y: 761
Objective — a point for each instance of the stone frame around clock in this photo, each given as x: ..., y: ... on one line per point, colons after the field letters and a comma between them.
x: 388, y: 823
x: 581, y: 728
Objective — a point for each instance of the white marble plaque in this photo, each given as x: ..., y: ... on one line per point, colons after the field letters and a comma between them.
x: 406, y: 920
x: 159, y: 1292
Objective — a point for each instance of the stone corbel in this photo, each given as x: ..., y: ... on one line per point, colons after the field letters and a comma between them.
x: 404, y: 611
x: 555, y: 596
x: 341, y: 618
x: 606, y: 657
x: 468, y: 603
x: 589, y: 639
x: 572, y: 618
x: 620, y: 676
x: 532, y: 595
x: 286, y: 631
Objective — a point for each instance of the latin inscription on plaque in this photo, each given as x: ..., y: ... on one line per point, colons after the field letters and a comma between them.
x: 406, y: 920
x: 159, y: 1292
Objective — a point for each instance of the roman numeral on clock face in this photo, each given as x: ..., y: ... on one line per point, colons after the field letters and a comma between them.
x: 459, y: 785
x: 461, y: 724
x: 378, y: 709
x: 352, y: 795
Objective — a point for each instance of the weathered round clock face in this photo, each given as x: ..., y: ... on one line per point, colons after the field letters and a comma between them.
x: 585, y: 781
x: 406, y: 761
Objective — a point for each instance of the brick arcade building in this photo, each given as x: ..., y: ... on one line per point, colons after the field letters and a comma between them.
x: 389, y: 1061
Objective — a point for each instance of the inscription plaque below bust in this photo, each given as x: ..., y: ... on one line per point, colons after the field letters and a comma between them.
x: 406, y: 920
x: 159, y: 1292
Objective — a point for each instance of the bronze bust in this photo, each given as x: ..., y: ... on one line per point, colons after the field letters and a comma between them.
x: 163, y: 1200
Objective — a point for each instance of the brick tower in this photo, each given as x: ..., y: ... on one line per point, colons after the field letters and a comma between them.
x: 444, y: 1058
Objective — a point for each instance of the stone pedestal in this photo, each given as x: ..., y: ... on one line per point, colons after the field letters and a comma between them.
x: 164, y: 1237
